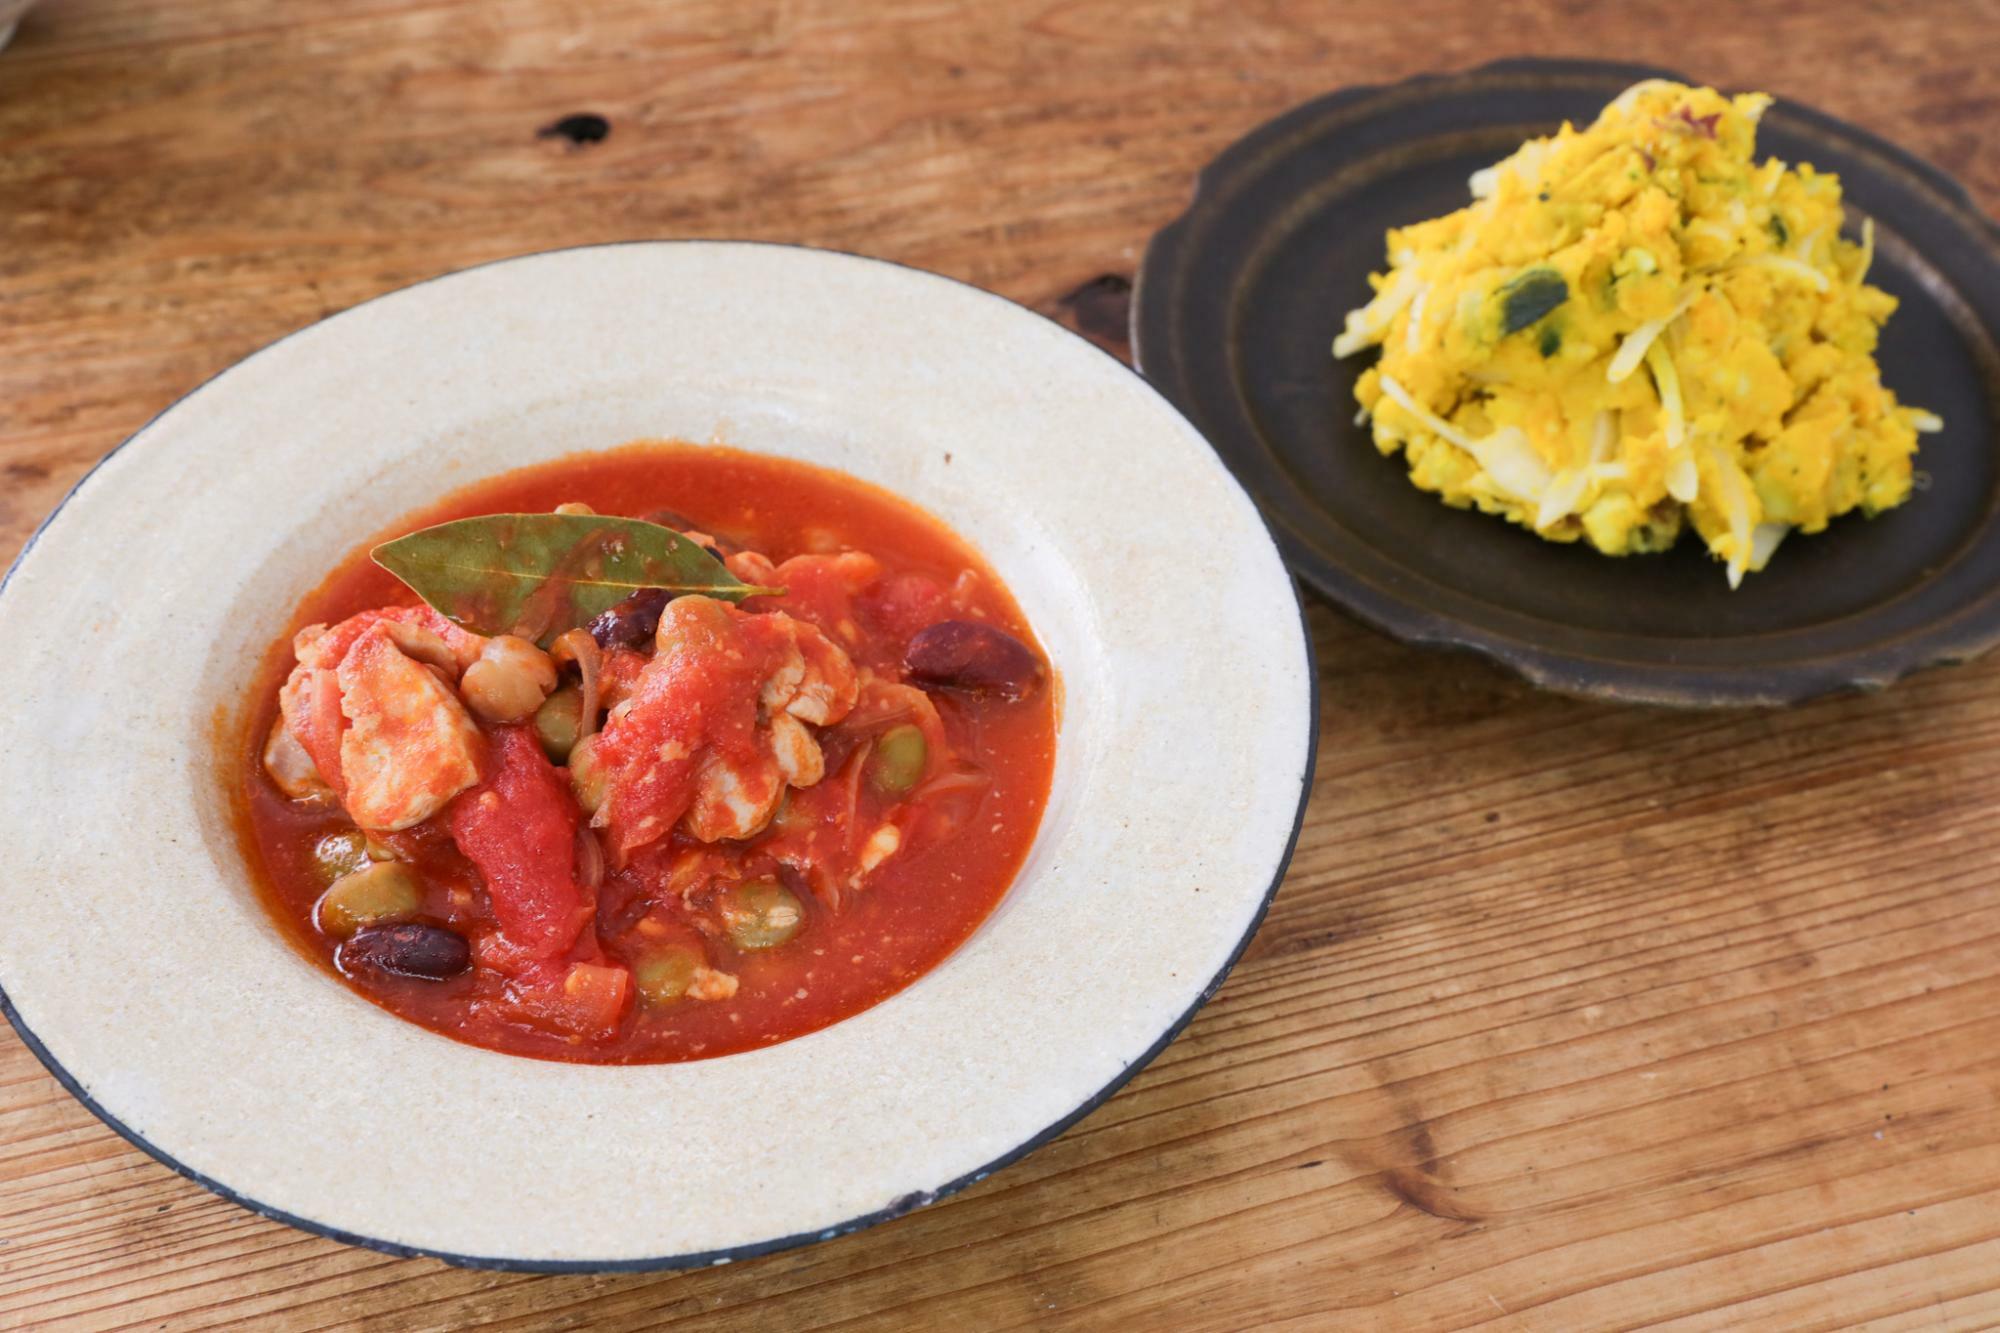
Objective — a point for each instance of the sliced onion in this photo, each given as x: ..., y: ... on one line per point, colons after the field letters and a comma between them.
x: 1667, y: 381
x: 577, y: 646
x: 1640, y: 340
x: 1506, y: 456
x: 589, y: 859
x: 1786, y: 264
x: 1764, y: 539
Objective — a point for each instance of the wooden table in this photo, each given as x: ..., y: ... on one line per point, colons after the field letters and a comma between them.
x: 1567, y: 1015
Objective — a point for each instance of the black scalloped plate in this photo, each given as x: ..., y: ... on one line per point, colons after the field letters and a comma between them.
x: 1239, y: 299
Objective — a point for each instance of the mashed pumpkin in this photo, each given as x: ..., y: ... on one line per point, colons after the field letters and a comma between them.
x: 1635, y: 326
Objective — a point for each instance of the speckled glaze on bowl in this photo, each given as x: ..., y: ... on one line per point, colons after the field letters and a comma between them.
x: 138, y: 965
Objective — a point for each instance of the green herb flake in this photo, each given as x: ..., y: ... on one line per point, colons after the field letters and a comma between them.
x: 1529, y: 298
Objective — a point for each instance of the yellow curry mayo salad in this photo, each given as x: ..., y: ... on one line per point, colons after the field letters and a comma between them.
x: 1635, y: 325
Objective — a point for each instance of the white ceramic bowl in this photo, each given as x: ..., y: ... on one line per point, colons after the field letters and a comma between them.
x: 139, y: 966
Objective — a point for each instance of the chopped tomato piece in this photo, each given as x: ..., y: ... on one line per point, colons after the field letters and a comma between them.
x: 697, y: 737
x: 820, y: 590
x: 519, y: 828
x: 585, y: 1000
x: 902, y: 604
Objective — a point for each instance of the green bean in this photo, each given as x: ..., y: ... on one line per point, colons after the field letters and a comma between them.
x: 558, y: 722
x: 340, y: 854
x: 385, y: 891
x: 665, y: 976
x: 760, y: 914
x: 896, y: 765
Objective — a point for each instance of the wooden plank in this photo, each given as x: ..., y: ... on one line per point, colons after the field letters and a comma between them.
x: 1567, y: 1016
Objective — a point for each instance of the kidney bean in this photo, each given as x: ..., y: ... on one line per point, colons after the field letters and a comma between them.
x: 633, y: 621
x: 429, y: 953
x: 972, y: 656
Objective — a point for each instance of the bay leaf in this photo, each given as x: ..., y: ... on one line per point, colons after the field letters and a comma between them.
x: 537, y: 575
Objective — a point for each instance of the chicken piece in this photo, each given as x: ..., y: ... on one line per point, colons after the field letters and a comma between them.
x: 290, y: 767
x: 310, y: 705
x: 410, y: 746
x: 753, y: 567
x: 796, y: 751
x: 814, y: 681
x: 823, y: 686
x: 311, y: 700
x: 819, y: 589
x: 734, y: 799
x: 421, y: 632
x: 695, y: 738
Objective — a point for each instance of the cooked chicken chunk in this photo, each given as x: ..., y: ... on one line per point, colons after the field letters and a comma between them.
x: 370, y: 714
x: 291, y: 767
x: 419, y: 631
x: 733, y: 799
x: 410, y: 745
x: 796, y: 751
x: 712, y: 730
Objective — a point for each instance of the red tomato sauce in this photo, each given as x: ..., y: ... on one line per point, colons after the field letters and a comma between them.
x: 965, y: 836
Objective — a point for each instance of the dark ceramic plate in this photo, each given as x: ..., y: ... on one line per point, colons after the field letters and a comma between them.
x: 1239, y: 300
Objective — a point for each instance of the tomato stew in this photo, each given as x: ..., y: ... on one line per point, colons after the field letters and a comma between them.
x: 697, y: 825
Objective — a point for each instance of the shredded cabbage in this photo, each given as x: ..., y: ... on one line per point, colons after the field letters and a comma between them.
x: 1735, y: 496
x: 1561, y: 497
x: 1764, y: 539
x: 1365, y: 326
x: 1603, y: 437
x: 1525, y: 162
x: 1683, y: 478
x: 1668, y: 382
x: 1633, y: 350
x: 1505, y: 455
x: 1786, y: 264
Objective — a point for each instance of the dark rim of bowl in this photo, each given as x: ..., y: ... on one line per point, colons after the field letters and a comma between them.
x: 1947, y: 641
x: 706, y: 1258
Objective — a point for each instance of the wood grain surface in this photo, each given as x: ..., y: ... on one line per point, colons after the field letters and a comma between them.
x: 1568, y: 1016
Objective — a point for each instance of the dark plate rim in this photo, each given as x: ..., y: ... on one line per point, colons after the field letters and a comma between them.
x: 1947, y: 641
x: 706, y: 1258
